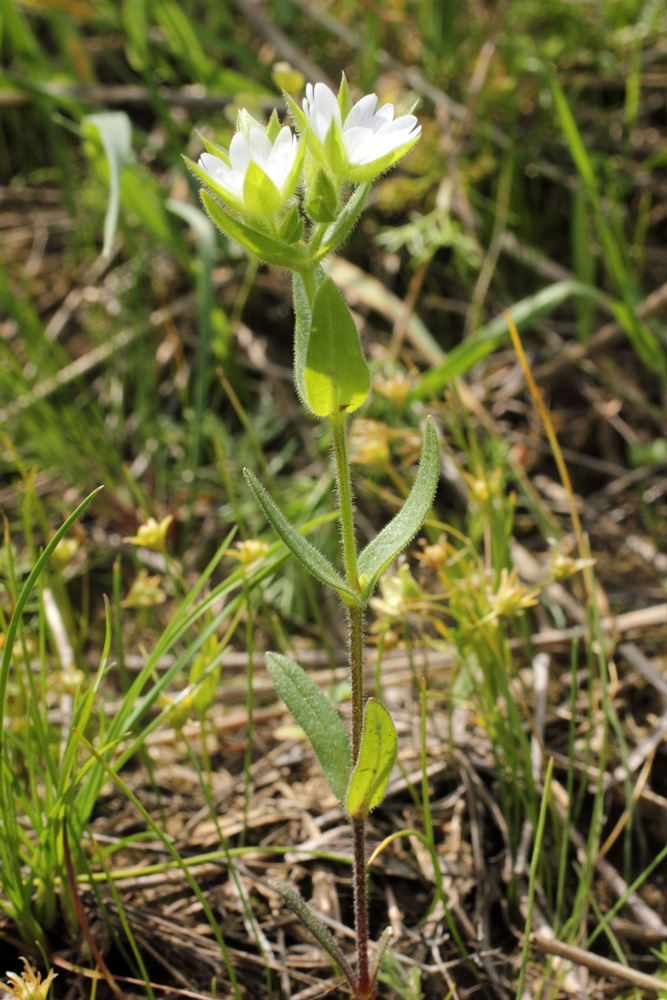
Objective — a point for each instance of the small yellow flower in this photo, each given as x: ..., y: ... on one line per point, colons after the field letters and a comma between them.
x: 562, y: 564
x: 435, y: 556
x: 29, y: 985
x: 70, y: 679
x: 369, y: 443
x: 180, y: 712
x: 399, y: 595
x: 248, y: 551
x: 481, y: 488
x: 152, y: 535
x: 510, y: 597
x: 145, y: 592
x: 396, y: 388
x: 287, y: 78
x: 64, y: 552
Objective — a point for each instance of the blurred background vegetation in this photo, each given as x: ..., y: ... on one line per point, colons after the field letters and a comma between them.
x: 162, y: 367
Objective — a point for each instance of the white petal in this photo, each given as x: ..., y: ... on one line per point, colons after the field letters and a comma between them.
x: 364, y: 146
x: 325, y: 101
x: 260, y: 146
x: 221, y: 174
x: 362, y: 112
x: 386, y: 112
x: 282, y: 156
x: 404, y: 124
x: 239, y: 153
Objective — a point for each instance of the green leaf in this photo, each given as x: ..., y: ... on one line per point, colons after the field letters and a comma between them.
x: 299, y: 546
x: 322, y: 204
x: 317, y: 717
x: 404, y: 526
x: 338, y: 231
x: 258, y: 243
x: 297, y: 904
x: 377, y: 757
x: 495, y: 333
x: 302, y: 320
x: 114, y: 131
x: 337, y: 379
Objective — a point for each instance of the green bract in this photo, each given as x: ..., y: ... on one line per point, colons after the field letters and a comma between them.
x: 337, y: 379
x: 376, y: 760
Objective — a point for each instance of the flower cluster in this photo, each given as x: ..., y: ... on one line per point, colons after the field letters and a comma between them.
x: 340, y: 143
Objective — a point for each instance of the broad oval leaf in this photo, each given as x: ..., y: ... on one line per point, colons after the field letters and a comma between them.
x: 404, y: 526
x: 317, y: 717
x: 266, y: 248
x: 336, y: 377
x: 299, y: 546
x: 377, y: 757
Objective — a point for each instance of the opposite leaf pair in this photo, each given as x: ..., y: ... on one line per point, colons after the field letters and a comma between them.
x: 383, y: 549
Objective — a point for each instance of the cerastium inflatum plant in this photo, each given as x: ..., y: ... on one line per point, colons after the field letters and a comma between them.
x: 292, y: 199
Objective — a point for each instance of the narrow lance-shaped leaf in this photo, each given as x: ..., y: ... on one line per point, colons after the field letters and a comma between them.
x: 336, y: 378
x: 299, y: 546
x: 377, y: 757
x: 401, y: 529
x: 317, y: 717
x: 297, y: 904
x: 263, y: 246
x: 115, y: 133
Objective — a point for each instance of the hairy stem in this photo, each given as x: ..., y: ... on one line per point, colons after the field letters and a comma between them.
x: 356, y: 625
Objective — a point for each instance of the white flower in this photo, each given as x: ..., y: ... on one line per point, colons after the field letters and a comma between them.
x: 258, y: 175
x: 362, y: 143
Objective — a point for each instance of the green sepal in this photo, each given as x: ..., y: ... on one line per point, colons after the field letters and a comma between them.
x: 296, y: 112
x: 344, y: 98
x: 393, y: 538
x: 377, y: 756
x: 299, y: 546
x: 214, y: 148
x: 336, y: 378
x: 291, y: 228
x: 273, y: 128
x: 220, y: 192
x: 334, y: 151
x: 265, y: 247
x: 322, y: 204
x: 260, y: 194
x: 245, y: 122
x: 317, y: 717
x: 339, y: 230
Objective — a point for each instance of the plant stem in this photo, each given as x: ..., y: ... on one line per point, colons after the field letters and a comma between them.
x: 345, y: 500
x: 309, y: 283
x: 356, y: 626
